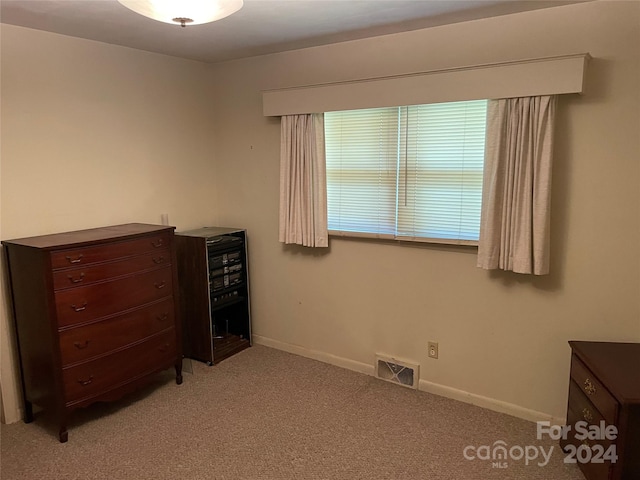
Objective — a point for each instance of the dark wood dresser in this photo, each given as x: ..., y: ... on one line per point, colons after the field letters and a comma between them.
x: 95, y: 314
x: 604, y: 390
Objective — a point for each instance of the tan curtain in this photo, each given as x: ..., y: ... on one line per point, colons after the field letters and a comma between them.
x: 303, y: 183
x: 514, y: 228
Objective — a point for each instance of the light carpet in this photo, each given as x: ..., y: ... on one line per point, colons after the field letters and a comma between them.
x: 267, y: 414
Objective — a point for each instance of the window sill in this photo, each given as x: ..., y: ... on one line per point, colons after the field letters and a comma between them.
x: 402, y: 240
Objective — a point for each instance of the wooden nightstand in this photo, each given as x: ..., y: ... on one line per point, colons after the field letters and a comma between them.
x: 604, y: 389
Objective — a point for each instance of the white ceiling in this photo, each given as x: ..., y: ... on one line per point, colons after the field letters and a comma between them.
x: 260, y: 27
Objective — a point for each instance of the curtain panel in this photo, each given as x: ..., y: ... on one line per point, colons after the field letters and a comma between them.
x: 514, y: 226
x: 303, y: 183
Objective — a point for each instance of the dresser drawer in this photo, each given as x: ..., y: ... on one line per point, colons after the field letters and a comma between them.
x: 83, y: 304
x: 79, y: 276
x: 591, y: 470
x: 105, y: 373
x: 594, y: 390
x: 583, y: 408
x: 85, y: 342
x: 107, y: 252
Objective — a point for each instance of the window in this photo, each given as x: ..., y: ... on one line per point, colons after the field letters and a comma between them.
x: 409, y: 173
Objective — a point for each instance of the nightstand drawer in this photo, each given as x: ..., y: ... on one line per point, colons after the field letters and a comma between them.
x: 104, y: 253
x: 594, y: 390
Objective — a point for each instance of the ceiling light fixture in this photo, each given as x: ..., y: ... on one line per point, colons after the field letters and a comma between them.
x: 184, y: 12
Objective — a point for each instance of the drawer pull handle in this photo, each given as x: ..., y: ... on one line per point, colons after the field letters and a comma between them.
x: 76, y: 280
x: 586, y: 413
x: 78, y: 259
x: 86, y: 382
x: 164, y: 347
x: 160, y: 285
x: 163, y: 317
x: 157, y: 244
x: 82, y: 345
x: 158, y: 260
x: 589, y: 387
x: 79, y: 309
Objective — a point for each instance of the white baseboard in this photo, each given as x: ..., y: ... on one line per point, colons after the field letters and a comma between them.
x: 315, y: 354
x: 488, y: 403
x: 430, y: 387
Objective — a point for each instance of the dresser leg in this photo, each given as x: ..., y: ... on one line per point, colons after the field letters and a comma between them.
x: 28, y: 411
x: 63, y: 435
x: 179, y: 372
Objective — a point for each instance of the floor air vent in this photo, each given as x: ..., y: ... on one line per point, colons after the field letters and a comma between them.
x: 397, y: 371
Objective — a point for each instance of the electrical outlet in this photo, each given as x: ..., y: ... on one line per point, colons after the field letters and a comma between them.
x: 433, y: 349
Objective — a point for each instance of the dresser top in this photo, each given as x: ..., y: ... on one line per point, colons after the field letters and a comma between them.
x: 617, y: 365
x: 87, y: 237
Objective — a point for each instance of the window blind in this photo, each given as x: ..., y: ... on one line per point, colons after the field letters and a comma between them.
x: 410, y: 173
x: 362, y: 150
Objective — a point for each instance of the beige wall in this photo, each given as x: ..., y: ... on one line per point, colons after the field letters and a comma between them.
x: 503, y: 337
x: 93, y: 135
